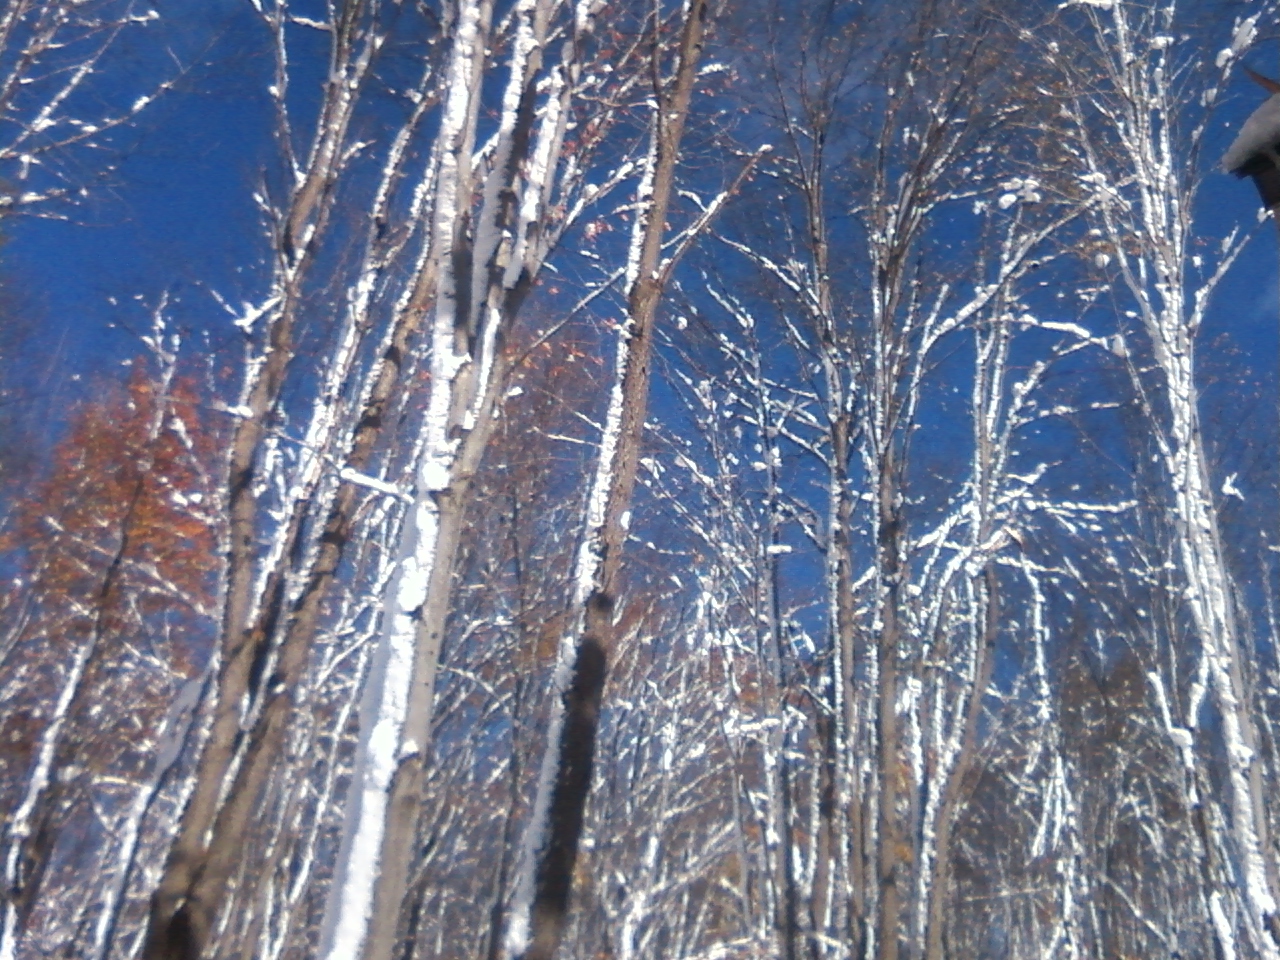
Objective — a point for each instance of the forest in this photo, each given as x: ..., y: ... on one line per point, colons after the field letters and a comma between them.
x: 637, y: 479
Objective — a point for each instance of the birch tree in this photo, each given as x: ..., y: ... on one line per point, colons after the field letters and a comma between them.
x: 508, y: 610
x: 482, y: 265
x: 544, y: 875
x: 877, y: 359
x: 457, y: 234
x: 1135, y: 142
x: 186, y: 898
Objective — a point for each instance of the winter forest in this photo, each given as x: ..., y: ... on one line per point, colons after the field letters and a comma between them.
x: 637, y: 479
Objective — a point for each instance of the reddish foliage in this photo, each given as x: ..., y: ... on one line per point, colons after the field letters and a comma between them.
x: 118, y: 541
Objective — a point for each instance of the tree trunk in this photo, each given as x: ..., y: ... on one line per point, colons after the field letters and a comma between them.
x: 186, y: 899
x: 539, y: 908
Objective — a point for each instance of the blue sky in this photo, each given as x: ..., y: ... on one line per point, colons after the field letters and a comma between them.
x: 175, y: 213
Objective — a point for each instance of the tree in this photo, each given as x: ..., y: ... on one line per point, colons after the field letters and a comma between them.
x: 545, y: 873
x: 112, y: 604
x: 461, y: 282
x: 1125, y: 148
x: 642, y: 542
x: 906, y: 587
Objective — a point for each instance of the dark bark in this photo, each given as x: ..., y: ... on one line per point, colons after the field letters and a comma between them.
x: 555, y: 861
x: 575, y: 754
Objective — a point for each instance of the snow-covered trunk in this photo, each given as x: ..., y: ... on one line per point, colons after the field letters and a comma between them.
x: 234, y: 667
x: 22, y: 820
x: 839, y: 909
x: 845, y: 916
x: 1190, y: 791
x: 897, y: 215
x: 483, y: 272
x: 759, y: 891
x: 297, y: 573
x: 189, y: 893
x: 1156, y: 211
x: 270, y: 887
x: 892, y: 857
x: 544, y: 874
x: 912, y: 703
x: 949, y: 780
x: 780, y: 827
x: 470, y: 424
x: 954, y: 746
x: 883, y: 407
x: 346, y: 932
x: 300, y: 572
x: 1209, y: 596
x: 788, y: 880
x: 1149, y: 225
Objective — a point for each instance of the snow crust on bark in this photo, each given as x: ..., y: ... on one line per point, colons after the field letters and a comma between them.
x: 1171, y: 310
x: 585, y: 580
x: 20, y: 822
x: 386, y: 698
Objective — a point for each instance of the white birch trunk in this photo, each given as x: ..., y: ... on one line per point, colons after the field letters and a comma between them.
x: 598, y: 559
x: 1209, y: 592
x: 507, y: 238
x: 38, y: 782
x: 386, y: 694
x: 1140, y: 149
